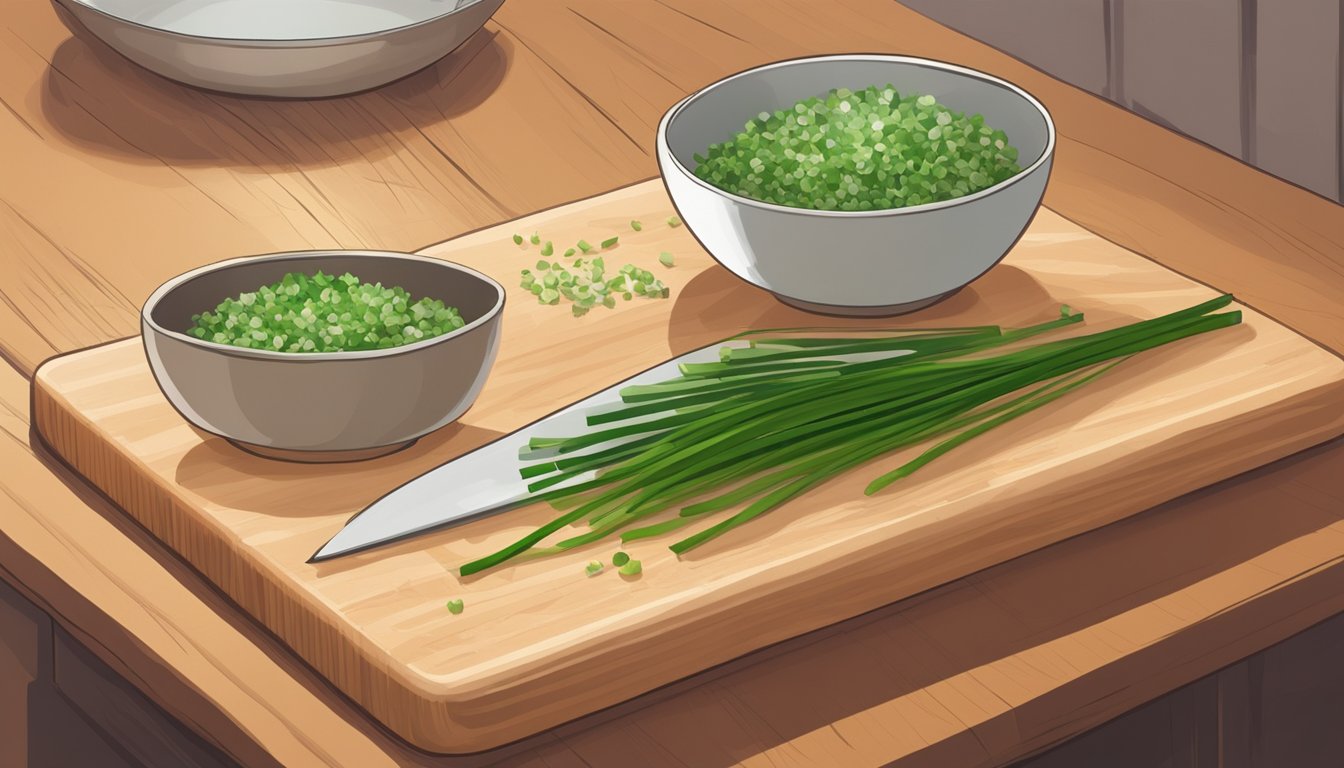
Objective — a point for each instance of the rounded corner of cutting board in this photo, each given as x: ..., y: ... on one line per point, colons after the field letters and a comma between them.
x: 451, y: 721
x: 42, y: 375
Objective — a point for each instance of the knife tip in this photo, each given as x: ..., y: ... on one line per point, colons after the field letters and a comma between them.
x: 321, y: 554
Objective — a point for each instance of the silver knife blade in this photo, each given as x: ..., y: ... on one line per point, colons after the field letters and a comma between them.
x: 485, y: 480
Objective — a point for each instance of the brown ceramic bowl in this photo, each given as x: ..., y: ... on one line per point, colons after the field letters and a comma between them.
x: 333, y: 406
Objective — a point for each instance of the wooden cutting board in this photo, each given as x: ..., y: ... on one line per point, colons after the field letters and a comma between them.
x: 539, y: 643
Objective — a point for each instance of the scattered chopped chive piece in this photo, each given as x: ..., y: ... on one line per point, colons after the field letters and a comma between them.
x: 632, y: 568
x: 455, y: 606
x: 673, y: 221
x: 593, y: 568
x: 1064, y: 310
x: 665, y: 259
x: 517, y: 239
x: 763, y: 428
x: 620, y: 558
x: 536, y: 239
x: 635, y: 225
x: 590, y: 284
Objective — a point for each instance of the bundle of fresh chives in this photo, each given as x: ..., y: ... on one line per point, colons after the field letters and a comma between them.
x: 783, y: 415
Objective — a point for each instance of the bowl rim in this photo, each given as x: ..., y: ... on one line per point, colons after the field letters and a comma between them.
x: 148, y: 321
x: 275, y: 42
x: 1046, y: 153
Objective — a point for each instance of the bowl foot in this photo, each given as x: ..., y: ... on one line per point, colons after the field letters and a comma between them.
x: 320, y: 457
x: 841, y: 310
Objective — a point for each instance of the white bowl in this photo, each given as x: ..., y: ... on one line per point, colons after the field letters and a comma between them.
x: 287, y: 48
x: 856, y: 262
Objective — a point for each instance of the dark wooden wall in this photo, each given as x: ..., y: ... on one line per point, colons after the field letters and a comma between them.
x: 61, y: 707
x: 1282, y: 708
x: 1258, y: 79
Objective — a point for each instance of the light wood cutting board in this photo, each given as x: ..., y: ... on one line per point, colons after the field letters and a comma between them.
x: 539, y: 643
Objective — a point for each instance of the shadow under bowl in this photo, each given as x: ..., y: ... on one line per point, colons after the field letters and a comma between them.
x: 319, y: 407
x: 863, y: 263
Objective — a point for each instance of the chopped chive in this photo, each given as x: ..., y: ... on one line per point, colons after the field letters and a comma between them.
x: 632, y: 568
x: 870, y: 149
x: 536, y: 239
x: 635, y: 225
x: 590, y: 284
x: 455, y: 606
x: 517, y: 239
x: 318, y: 312
x: 593, y: 568
x: 673, y: 221
x: 620, y: 558
x: 665, y: 259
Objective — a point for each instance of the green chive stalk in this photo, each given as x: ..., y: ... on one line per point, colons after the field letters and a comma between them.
x: 773, y: 420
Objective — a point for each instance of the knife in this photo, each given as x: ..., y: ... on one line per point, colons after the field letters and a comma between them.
x: 486, y: 480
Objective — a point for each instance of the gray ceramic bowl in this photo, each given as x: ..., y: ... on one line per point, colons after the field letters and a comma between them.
x: 287, y: 48
x: 863, y: 262
x: 334, y: 406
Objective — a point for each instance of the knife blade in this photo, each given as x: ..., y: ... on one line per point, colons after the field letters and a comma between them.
x: 486, y: 480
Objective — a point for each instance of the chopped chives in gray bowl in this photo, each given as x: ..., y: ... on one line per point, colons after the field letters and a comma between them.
x: 323, y: 313
x: 873, y: 149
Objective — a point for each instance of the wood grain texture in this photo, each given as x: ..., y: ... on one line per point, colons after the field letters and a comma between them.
x: 517, y: 662
x: 138, y: 211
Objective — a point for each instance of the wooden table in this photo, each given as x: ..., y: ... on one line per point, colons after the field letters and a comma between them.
x: 114, y: 180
